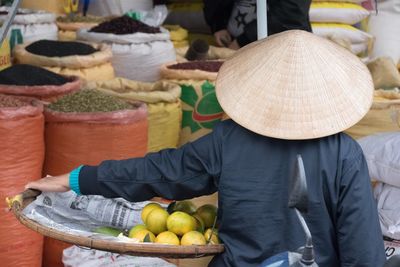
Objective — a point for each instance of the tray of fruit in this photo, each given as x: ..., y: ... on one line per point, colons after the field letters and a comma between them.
x: 180, y: 231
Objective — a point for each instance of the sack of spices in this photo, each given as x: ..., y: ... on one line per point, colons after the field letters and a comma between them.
x: 68, y: 26
x: 138, y: 49
x: 21, y: 161
x: 28, y: 80
x: 384, y: 73
x: 88, y: 127
x: 214, y: 53
x: 30, y: 25
x: 384, y: 115
x: 90, y: 62
x: 200, y: 108
x: 163, y: 104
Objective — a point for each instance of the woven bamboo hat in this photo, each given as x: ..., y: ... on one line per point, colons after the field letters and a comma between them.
x: 295, y: 85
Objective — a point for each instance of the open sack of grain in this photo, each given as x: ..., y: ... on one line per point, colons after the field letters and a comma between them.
x: 335, y: 20
x: 384, y: 115
x: 30, y: 25
x: 200, y: 107
x: 29, y: 80
x: 138, y: 49
x: 68, y: 26
x: 89, y: 61
x: 163, y: 105
x: 108, y: 128
x: 21, y: 161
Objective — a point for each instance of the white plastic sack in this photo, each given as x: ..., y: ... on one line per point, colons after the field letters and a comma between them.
x: 137, y: 56
x: 336, y: 12
x: 80, y: 257
x: 385, y: 26
x: 342, y: 31
x: 117, y: 7
x: 388, y: 199
x: 33, y: 25
x: 382, y: 153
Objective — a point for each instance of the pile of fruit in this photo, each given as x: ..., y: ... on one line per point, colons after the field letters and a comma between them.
x: 181, y: 224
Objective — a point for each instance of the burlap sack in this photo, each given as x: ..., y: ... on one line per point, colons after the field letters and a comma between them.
x: 214, y: 53
x: 384, y: 73
x: 384, y: 115
x: 73, y: 139
x: 43, y: 92
x: 67, y: 30
x: 163, y: 104
x: 200, y: 108
x: 93, y: 67
x: 21, y: 161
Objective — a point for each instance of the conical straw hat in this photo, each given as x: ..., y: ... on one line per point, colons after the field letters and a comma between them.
x: 295, y: 85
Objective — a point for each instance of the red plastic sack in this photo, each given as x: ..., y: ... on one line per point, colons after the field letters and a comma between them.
x: 42, y: 92
x: 73, y: 139
x: 21, y: 161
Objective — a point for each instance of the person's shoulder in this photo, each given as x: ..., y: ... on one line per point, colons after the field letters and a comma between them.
x: 225, y: 127
x: 351, y: 153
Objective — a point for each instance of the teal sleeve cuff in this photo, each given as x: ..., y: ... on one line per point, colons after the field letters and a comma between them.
x: 74, y: 180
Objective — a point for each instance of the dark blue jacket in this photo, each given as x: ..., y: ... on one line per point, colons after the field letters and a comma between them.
x: 250, y: 173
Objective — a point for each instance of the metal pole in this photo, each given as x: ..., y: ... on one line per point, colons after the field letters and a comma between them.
x: 262, y: 25
x: 8, y: 20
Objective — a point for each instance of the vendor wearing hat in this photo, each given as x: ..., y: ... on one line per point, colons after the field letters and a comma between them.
x: 291, y: 93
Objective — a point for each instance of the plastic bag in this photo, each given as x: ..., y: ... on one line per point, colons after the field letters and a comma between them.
x: 154, y: 17
x: 80, y: 257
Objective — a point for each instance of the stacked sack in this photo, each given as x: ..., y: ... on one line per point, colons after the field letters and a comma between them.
x: 383, y: 158
x: 138, y: 49
x: 29, y: 26
x: 91, y: 62
x: 384, y: 115
x: 336, y: 19
x: 179, y: 36
x: 68, y: 26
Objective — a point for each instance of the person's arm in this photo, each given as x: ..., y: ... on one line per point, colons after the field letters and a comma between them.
x: 358, y: 231
x: 187, y: 172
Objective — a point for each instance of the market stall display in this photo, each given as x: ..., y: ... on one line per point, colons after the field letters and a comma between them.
x: 117, y: 7
x: 336, y: 19
x: 21, y: 161
x: 108, y: 128
x: 28, y: 80
x: 138, y: 49
x: 163, y: 105
x: 89, y: 61
x: 31, y: 25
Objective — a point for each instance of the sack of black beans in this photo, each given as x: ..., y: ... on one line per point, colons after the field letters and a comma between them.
x: 214, y: 53
x: 89, y: 61
x: 30, y: 25
x: 138, y: 49
x: 200, y: 108
x: 28, y: 80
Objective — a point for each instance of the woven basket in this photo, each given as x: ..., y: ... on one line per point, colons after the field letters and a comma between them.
x: 19, y: 202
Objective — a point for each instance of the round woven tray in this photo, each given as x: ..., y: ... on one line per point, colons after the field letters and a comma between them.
x: 19, y: 202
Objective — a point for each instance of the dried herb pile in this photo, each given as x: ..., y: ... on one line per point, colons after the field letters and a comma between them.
x: 89, y: 101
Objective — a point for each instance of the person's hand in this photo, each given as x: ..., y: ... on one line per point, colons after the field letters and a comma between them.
x: 223, y: 38
x: 51, y: 184
x: 234, y: 45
